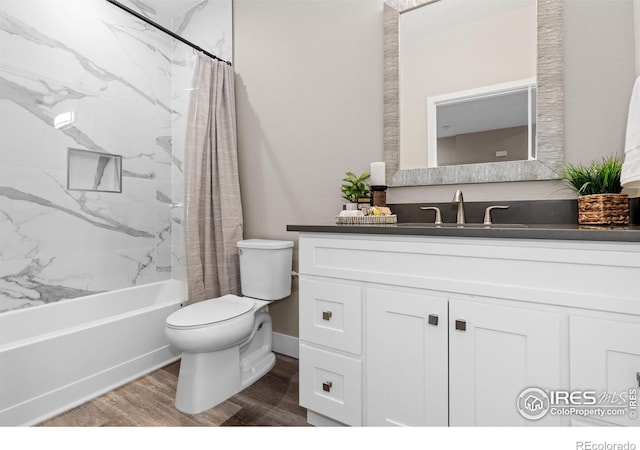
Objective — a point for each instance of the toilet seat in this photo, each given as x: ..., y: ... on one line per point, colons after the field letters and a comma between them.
x: 209, y: 312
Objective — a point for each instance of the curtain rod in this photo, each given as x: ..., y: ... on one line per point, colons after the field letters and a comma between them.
x: 165, y: 30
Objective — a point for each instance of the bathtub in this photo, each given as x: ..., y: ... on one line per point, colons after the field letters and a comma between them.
x: 54, y: 357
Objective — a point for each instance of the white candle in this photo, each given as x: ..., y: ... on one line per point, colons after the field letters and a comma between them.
x: 377, y: 174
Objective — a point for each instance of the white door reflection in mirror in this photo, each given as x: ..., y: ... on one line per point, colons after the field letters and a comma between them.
x: 488, y: 124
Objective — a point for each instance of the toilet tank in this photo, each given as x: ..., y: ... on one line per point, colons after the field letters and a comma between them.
x: 265, y: 268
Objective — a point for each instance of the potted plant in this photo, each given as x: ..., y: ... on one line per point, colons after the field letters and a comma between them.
x: 598, y: 185
x: 355, y: 190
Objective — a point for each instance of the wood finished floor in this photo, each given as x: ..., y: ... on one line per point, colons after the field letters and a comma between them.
x: 148, y: 402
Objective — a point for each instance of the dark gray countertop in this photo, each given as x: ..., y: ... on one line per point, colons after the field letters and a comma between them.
x: 498, y: 231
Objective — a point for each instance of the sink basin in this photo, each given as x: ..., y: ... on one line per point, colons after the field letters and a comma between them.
x: 466, y: 225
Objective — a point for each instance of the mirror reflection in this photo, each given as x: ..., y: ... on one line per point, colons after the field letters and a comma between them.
x: 449, y: 47
x: 490, y: 124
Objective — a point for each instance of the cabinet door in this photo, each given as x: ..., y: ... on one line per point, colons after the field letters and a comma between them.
x: 605, y: 357
x: 406, y: 358
x: 495, y: 352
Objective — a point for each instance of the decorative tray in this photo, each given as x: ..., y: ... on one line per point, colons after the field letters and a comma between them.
x: 366, y: 220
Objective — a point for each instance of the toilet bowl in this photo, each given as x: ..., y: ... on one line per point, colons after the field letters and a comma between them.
x: 226, y: 341
x: 211, y: 325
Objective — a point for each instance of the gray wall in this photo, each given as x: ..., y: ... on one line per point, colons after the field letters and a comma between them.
x: 309, y: 99
x: 481, y: 147
x: 309, y: 106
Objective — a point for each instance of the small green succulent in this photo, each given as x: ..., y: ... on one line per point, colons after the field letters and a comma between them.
x: 355, y: 187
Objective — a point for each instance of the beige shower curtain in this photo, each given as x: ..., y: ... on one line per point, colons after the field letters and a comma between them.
x: 213, y: 211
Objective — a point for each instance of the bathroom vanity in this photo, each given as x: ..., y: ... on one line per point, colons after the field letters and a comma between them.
x: 418, y: 325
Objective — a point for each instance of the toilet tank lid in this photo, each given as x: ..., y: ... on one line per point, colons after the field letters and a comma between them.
x: 266, y: 244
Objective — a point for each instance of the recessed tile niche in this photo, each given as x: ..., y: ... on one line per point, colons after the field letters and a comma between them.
x: 93, y: 171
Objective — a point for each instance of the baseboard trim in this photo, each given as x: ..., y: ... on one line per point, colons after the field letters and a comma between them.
x: 285, y: 344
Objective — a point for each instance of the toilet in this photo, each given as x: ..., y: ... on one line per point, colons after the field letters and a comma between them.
x: 226, y: 341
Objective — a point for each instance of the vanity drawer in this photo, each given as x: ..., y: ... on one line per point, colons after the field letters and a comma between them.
x: 331, y: 384
x: 331, y: 314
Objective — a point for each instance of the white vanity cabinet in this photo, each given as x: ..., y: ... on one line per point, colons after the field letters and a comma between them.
x: 437, y: 331
x: 437, y: 361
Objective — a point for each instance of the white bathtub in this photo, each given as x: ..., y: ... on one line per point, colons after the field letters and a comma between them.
x: 54, y: 357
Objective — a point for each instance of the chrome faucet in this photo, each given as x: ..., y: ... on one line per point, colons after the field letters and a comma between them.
x: 457, y: 199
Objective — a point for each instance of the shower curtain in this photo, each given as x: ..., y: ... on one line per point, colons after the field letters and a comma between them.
x: 213, y: 210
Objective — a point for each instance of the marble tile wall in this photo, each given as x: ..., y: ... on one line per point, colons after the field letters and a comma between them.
x: 128, y: 86
x: 207, y: 23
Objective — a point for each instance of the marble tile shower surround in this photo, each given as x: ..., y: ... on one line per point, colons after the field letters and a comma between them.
x: 194, y: 20
x: 128, y: 86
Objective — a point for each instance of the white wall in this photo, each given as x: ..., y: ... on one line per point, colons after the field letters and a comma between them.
x: 309, y: 98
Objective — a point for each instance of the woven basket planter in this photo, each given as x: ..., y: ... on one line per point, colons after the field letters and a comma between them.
x: 603, y: 209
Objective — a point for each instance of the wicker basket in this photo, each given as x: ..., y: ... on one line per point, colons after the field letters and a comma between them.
x: 603, y: 209
x: 367, y: 220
